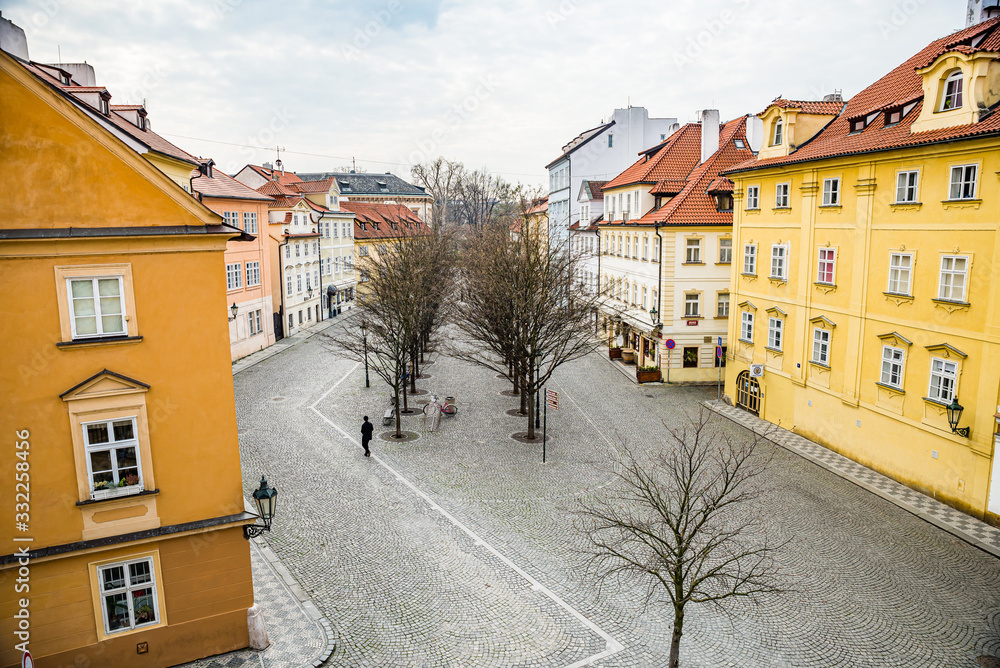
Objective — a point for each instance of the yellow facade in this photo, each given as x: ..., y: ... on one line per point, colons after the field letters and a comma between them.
x: 149, y: 376
x: 859, y: 314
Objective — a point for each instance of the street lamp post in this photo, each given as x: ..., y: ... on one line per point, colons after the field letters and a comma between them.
x: 266, y: 498
x: 364, y: 334
x: 537, y: 360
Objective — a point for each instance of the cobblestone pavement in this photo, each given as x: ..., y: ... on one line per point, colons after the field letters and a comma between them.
x: 298, y: 635
x: 458, y: 548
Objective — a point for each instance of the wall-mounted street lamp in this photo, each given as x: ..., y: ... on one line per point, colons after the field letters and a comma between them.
x: 955, y: 416
x: 309, y: 293
x: 266, y: 498
x: 234, y: 309
x: 652, y: 315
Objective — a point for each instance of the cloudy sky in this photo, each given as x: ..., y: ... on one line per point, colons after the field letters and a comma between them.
x: 499, y: 85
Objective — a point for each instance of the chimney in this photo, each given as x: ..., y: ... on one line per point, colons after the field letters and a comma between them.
x: 709, y: 132
x: 82, y: 73
x: 12, y: 39
x: 755, y: 132
x: 981, y: 10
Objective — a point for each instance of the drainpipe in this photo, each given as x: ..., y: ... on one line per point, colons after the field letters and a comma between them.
x: 319, y: 226
x: 597, y: 324
x: 281, y: 283
x: 659, y: 284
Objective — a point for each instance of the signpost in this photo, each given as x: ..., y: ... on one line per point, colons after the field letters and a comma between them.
x: 551, y: 399
x: 670, y: 344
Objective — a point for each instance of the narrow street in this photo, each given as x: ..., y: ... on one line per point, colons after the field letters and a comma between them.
x: 459, y: 548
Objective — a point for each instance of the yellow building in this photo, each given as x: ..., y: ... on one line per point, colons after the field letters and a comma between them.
x: 119, y: 402
x: 865, y: 291
x: 376, y: 228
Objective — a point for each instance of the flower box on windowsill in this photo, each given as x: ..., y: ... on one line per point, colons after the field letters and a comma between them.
x: 647, y: 374
x: 115, y: 492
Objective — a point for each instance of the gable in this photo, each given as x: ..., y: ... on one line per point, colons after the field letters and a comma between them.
x: 105, y: 383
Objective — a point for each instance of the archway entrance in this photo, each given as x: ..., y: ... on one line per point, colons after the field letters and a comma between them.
x: 748, y: 393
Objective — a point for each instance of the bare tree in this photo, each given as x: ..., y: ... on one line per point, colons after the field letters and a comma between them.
x: 484, y: 197
x: 686, y: 521
x: 440, y: 178
x: 523, y: 313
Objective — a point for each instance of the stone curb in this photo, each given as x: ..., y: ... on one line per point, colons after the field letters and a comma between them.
x: 747, y: 422
x: 243, y: 364
x: 305, y: 603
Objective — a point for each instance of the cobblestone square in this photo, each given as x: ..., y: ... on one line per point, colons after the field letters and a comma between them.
x: 459, y: 548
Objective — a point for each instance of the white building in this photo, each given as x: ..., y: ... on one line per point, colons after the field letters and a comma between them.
x: 599, y: 153
x: 584, y: 234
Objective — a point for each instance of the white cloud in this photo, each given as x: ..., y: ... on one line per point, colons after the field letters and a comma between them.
x: 501, y: 85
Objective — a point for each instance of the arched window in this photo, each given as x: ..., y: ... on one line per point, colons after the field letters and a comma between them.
x: 776, y: 135
x: 952, y: 98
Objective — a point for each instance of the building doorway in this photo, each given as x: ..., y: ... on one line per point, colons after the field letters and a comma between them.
x: 748, y: 393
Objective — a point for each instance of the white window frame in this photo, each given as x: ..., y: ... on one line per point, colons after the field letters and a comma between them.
x: 722, y: 299
x: 777, y: 132
x: 231, y: 218
x: 298, y: 284
x: 750, y: 259
x: 893, y: 363
x: 250, y: 221
x: 775, y: 333
x: 692, y: 251
x: 753, y: 197
x: 907, y: 186
x: 821, y: 346
x: 781, y: 195
x: 831, y: 192
x: 127, y: 588
x: 779, y: 260
x: 96, y: 300
x: 656, y: 249
x: 897, y: 272
x: 725, y: 251
x: 253, y: 273
x: 827, y: 264
x: 963, y: 182
x: 112, y: 446
x: 942, y: 373
x: 952, y: 92
x: 946, y: 291
x: 234, y: 276
x: 253, y: 322
x: 692, y: 305
x: 746, y: 326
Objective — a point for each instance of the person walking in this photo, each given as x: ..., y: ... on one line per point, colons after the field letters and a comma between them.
x: 366, y: 435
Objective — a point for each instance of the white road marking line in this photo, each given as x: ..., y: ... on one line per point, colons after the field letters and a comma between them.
x: 612, y: 646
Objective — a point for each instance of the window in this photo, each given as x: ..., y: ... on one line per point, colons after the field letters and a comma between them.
x: 645, y: 248
x: 309, y: 281
x: 635, y: 247
x: 128, y: 595
x: 953, y: 275
x: 628, y: 245
x: 584, y: 214
x: 300, y: 317
x: 779, y: 253
x: 288, y: 283
x: 781, y: 196
x: 900, y: 267
x: 739, y: 143
x: 363, y: 251
x: 112, y: 454
x: 288, y: 251
x: 944, y: 376
x: 827, y: 263
x: 693, y: 251
x: 96, y: 306
x: 315, y: 248
x: 253, y: 322
x: 382, y: 248
x: 234, y: 276
x: 753, y: 197
x: 644, y: 298
x: 963, y: 182
x: 291, y: 321
x: 906, y: 186
x: 952, y: 98
x: 722, y: 307
x: 298, y: 249
x: 336, y: 265
x: 611, y: 141
x: 892, y: 366
x: 692, y: 303
x: 775, y: 329
x: 305, y: 249
x: 750, y: 259
x: 821, y: 346
x: 656, y: 249
x: 831, y: 192
x: 776, y: 134
x: 725, y: 251
x: 231, y: 218
x: 691, y: 357
x: 298, y: 283
x: 746, y: 327
x: 250, y: 221
x: 253, y: 273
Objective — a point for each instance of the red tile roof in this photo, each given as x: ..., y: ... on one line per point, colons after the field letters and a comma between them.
x: 669, y: 187
x: 671, y: 159
x: 594, y: 189
x: 384, y: 215
x: 321, y: 186
x: 284, y: 178
x: 693, y: 205
x: 720, y: 185
x: 275, y: 189
x: 903, y: 84
x: 831, y: 108
x: 539, y: 205
x: 223, y: 185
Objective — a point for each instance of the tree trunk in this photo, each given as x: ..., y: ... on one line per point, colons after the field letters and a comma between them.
x: 675, y: 639
x: 531, y: 414
x: 399, y: 431
x: 413, y: 375
x: 405, y: 407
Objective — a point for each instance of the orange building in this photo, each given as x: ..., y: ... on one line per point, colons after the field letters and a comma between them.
x: 119, y: 407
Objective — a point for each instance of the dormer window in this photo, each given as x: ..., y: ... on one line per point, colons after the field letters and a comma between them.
x: 104, y: 105
x: 740, y: 143
x: 64, y: 78
x: 724, y: 202
x: 375, y: 226
x: 362, y: 226
x: 952, y: 98
x: 893, y: 116
x: 776, y: 134
x: 857, y: 125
